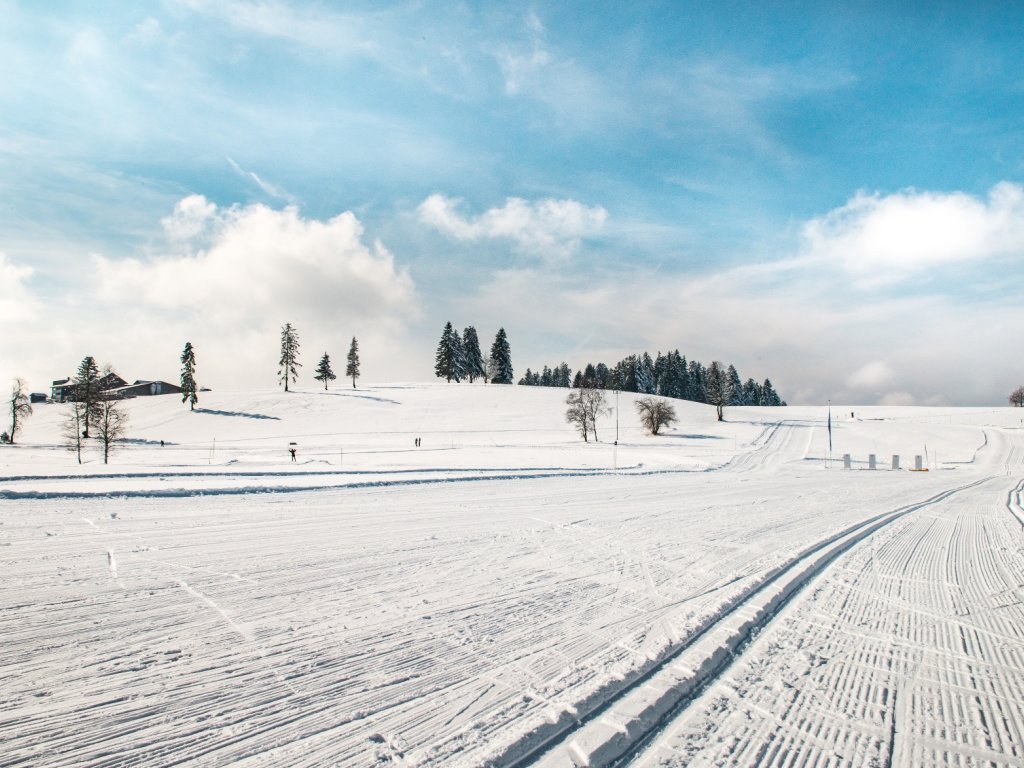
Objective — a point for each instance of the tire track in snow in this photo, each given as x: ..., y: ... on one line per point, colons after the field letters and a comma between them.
x: 622, y: 721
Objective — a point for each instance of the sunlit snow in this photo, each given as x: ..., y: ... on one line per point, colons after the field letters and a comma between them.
x: 504, y: 594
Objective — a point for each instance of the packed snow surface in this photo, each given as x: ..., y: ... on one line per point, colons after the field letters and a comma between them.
x: 505, y: 594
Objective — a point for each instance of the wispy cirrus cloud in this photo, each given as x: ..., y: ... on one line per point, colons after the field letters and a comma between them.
x: 268, y: 188
x: 548, y: 229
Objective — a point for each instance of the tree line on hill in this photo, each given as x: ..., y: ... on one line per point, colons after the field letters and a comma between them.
x: 460, y: 357
x: 668, y: 375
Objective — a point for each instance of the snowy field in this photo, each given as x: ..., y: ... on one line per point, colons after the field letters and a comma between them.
x: 505, y: 594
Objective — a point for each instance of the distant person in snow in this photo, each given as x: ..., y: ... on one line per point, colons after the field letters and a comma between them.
x: 292, y: 452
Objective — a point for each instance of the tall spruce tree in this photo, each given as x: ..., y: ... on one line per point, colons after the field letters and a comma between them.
x: 289, y: 361
x: 733, y: 387
x: 189, y: 390
x: 87, y: 391
x: 500, y: 363
x: 323, y: 370
x: 715, y: 383
x: 473, y: 357
x: 352, y: 364
x: 645, y: 379
x: 447, y: 364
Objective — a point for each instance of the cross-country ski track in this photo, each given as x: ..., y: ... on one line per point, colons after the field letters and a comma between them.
x: 725, y: 594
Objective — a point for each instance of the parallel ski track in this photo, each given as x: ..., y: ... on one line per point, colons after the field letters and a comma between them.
x: 1014, y: 505
x: 907, y: 651
x: 557, y: 745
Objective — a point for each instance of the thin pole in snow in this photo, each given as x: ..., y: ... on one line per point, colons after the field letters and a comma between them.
x: 828, y: 463
x: 616, y: 417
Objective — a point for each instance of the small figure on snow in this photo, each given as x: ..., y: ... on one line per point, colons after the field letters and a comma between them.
x: 292, y: 452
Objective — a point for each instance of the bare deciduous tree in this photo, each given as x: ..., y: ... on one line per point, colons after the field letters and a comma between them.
x: 655, y: 413
x: 585, y: 405
x: 1017, y: 397
x: 20, y: 408
x: 73, y: 427
x: 111, y: 423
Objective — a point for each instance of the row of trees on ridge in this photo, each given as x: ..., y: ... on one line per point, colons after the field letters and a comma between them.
x: 460, y: 357
x: 668, y: 375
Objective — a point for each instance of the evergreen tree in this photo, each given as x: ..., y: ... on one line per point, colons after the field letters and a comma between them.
x: 668, y: 375
x: 323, y: 370
x: 715, y: 387
x: 501, y: 359
x: 527, y: 379
x: 751, y: 392
x: 289, y: 361
x: 684, y: 377
x: 602, y: 375
x: 733, y: 387
x: 352, y: 362
x: 768, y: 394
x: 474, y: 358
x: 460, y: 356
x: 697, y: 388
x: 189, y: 390
x: 446, y: 360
x: 645, y: 382
x: 564, y: 376
x: 87, y: 391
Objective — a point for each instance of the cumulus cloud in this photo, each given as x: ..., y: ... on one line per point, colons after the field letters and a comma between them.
x: 882, y: 239
x: 192, y: 215
x: 228, y: 280
x: 549, y: 229
x: 259, y: 260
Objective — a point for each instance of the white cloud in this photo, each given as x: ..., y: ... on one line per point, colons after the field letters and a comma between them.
x: 884, y: 239
x: 260, y: 260
x: 871, y: 376
x: 267, y: 187
x: 550, y: 229
x: 897, y: 398
x: 237, y: 276
x: 813, y: 347
x: 192, y: 215
x: 17, y: 305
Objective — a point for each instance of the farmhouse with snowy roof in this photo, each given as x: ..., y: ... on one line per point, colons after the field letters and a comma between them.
x: 63, y: 390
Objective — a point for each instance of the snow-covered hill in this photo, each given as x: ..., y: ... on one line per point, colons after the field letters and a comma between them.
x: 506, y: 594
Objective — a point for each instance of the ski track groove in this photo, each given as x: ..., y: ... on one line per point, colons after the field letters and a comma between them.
x: 949, y: 690
x: 451, y: 641
x: 646, y: 714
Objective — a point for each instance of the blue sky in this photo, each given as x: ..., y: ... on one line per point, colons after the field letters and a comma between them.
x: 830, y: 197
